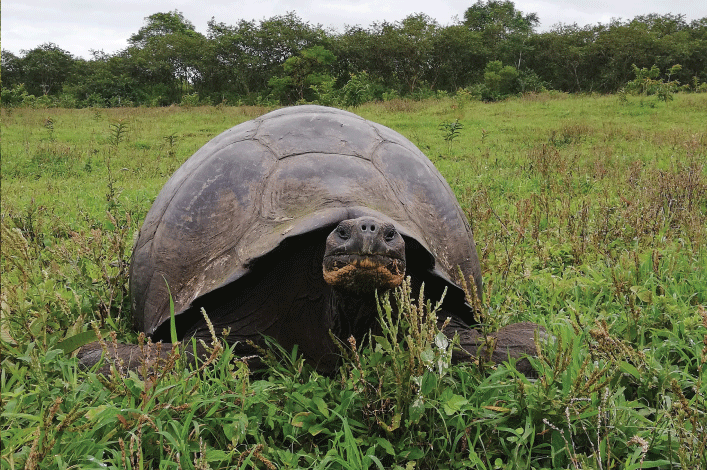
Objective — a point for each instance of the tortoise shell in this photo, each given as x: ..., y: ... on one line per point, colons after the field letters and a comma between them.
x: 270, y: 189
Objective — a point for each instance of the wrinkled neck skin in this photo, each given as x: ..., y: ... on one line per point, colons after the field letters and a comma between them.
x: 353, y: 314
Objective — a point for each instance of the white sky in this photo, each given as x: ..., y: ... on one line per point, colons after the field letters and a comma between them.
x: 81, y: 25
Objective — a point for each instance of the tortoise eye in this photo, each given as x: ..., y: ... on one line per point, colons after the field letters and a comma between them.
x: 342, y: 232
x: 390, y: 235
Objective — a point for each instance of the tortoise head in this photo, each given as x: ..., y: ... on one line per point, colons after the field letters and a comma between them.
x: 363, y: 255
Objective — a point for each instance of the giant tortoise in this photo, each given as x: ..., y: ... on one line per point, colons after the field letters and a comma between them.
x: 285, y: 226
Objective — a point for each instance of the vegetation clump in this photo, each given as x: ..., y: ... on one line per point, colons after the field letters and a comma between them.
x: 492, y: 51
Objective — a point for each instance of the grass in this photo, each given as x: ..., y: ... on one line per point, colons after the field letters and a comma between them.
x: 590, y: 216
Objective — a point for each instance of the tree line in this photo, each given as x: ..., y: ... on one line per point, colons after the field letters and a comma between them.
x: 493, y: 51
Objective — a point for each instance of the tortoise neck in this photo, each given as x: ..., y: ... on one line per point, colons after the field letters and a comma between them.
x: 353, y: 314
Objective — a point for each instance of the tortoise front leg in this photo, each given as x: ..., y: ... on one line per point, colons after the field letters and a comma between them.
x: 515, y: 341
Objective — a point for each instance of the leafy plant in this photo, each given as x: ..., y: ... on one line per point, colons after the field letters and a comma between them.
x: 118, y: 130
x: 451, y: 131
x: 499, y: 81
x: 359, y: 89
x: 648, y: 82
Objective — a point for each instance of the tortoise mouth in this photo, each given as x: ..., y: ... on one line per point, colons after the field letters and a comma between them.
x: 358, y: 272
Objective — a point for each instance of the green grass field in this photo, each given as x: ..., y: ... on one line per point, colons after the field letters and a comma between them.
x: 590, y: 216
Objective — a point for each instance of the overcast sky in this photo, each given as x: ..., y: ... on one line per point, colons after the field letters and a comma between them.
x: 81, y: 25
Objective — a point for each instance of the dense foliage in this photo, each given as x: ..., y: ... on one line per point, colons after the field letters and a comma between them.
x: 590, y: 215
x: 493, y: 51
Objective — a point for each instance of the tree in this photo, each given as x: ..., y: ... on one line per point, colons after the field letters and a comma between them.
x: 159, y: 25
x: 45, y: 68
x: 618, y: 46
x: 11, y: 69
x: 242, y: 59
x: 233, y: 67
x: 565, y: 57
x: 662, y: 25
x: 309, y: 68
x: 167, y: 54
x: 356, y: 54
x: 499, y: 19
x: 286, y: 57
x: 505, y: 30
x: 108, y: 80
x: 459, y: 56
x: 695, y: 61
x: 397, y: 55
x: 281, y: 37
x: 413, y: 42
